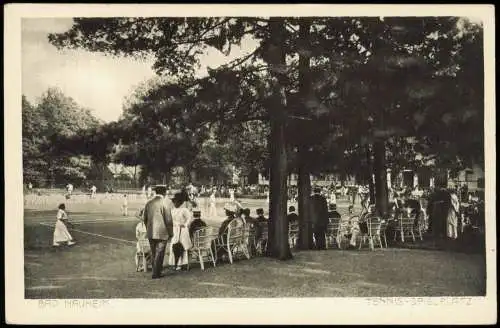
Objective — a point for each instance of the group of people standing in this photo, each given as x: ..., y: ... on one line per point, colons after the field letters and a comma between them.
x: 171, y: 222
x: 167, y: 220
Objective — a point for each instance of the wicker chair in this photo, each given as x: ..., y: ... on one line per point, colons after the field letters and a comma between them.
x: 293, y: 234
x: 405, y: 226
x: 334, y: 234
x: 373, y: 232
x: 235, y: 241
x: 143, y: 256
x: 202, y: 245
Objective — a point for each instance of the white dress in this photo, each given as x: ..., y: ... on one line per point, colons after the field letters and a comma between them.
x: 142, y: 238
x: 61, y: 233
x: 180, y: 216
x: 212, y: 211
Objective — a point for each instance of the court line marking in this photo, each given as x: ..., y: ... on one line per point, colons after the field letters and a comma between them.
x: 94, y: 221
x: 95, y: 234
x: 72, y: 215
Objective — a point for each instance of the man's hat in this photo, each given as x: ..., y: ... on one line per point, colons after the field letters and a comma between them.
x: 178, y: 197
x: 197, y: 214
x: 260, y: 211
x: 160, y: 189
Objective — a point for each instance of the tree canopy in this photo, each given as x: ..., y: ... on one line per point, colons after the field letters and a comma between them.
x: 54, y: 118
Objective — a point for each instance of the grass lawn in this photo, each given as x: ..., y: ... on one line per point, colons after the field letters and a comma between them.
x: 101, y: 265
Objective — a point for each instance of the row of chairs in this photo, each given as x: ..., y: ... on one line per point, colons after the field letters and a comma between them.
x: 404, y: 227
x: 240, y: 240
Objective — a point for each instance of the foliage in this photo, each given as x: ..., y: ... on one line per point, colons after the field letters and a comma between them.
x: 372, y: 77
x: 45, y: 127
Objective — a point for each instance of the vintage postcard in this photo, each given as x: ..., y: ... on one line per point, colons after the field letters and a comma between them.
x: 250, y: 164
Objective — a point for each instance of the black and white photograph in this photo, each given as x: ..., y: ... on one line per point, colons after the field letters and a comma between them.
x: 237, y: 156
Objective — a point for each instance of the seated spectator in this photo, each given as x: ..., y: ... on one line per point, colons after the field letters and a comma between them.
x: 260, y: 215
x: 230, y: 215
x: 196, y: 224
x: 332, y: 213
x: 230, y: 210
x: 245, y: 214
x: 292, y: 217
x: 363, y: 220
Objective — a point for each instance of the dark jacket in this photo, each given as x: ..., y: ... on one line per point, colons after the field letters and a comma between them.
x: 223, y: 226
x: 318, y: 211
x: 292, y: 218
x: 196, y: 225
x: 261, y: 219
x: 334, y: 215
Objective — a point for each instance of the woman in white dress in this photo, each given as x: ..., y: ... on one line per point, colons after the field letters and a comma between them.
x: 231, y: 195
x: 181, y: 217
x: 212, y: 210
x: 61, y: 233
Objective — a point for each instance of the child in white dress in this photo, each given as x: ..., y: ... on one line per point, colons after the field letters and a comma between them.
x: 61, y: 233
x: 143, y: 250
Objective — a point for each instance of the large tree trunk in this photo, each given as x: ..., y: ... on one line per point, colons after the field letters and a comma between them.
x: 370, y: 174
x: 304, y: 184
x: 382, y: 201
x: 278, y: 224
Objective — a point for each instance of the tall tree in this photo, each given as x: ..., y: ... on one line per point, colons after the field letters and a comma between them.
x: 54, y: 118
x: 34, y: 159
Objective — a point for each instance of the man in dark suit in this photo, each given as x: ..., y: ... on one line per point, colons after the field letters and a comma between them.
x: 159, y: 226
x: 319, y: 217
